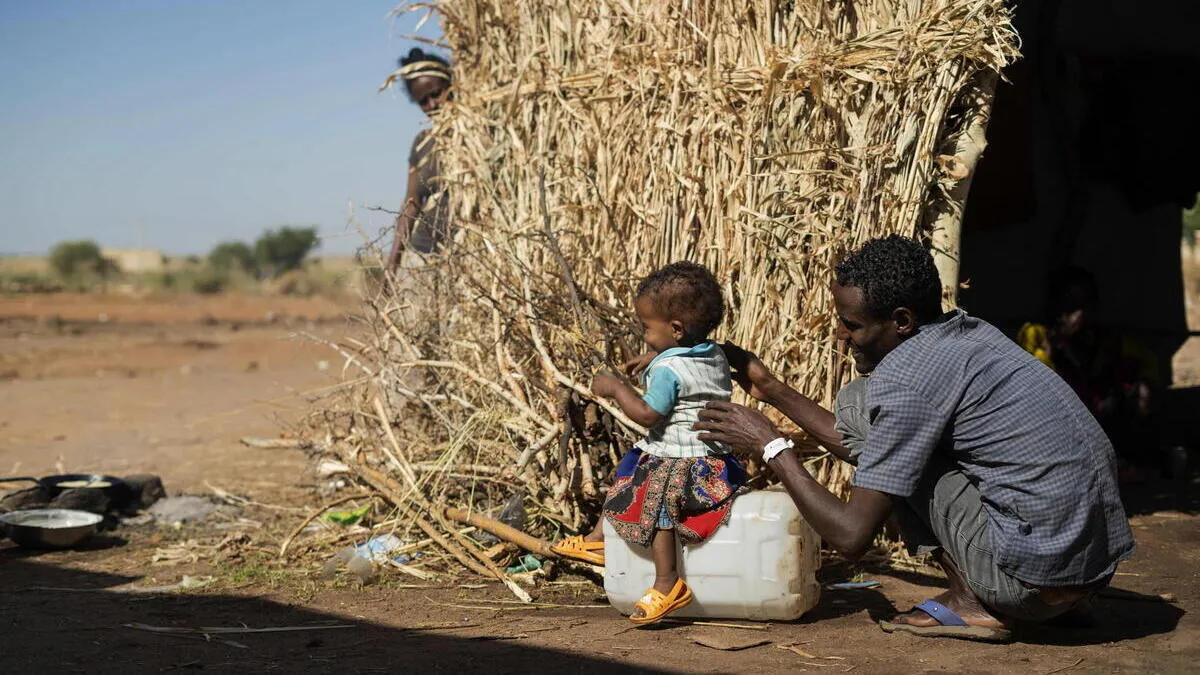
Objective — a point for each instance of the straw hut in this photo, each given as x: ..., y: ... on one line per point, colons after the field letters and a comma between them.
x: 591, y: 142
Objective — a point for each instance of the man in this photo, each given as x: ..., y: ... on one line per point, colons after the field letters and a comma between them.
x: 985, y: 456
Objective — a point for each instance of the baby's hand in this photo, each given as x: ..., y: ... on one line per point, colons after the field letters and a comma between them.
x: 606, y: 384
x: 634, y: 367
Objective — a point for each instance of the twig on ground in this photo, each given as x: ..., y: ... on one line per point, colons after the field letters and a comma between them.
x: 740, y: 626
x: 276, y: 443
x: 1059, y: 670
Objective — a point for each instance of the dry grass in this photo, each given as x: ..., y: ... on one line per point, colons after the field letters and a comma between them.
x: 591, y: 142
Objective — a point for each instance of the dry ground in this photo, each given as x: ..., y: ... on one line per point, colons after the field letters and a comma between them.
x: 168, y: 386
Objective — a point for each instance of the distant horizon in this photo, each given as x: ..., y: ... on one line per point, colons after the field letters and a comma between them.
x: 177, y: 126
x: 313, y: 255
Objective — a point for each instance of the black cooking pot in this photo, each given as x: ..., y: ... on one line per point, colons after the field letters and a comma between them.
x: 117, y: 490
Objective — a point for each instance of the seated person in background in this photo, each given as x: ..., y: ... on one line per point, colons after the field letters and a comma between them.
x: 1113, y: 375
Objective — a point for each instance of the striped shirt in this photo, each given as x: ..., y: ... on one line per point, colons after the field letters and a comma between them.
x: 679, y: 382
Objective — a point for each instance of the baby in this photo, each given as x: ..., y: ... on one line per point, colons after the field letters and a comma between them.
x: 671, y: 488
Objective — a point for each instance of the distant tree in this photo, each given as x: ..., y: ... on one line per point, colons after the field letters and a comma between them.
x: 283, y: 250
x: 72, y: 259
x: 232, y: 255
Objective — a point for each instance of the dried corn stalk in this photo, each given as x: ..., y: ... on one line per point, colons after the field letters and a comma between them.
x: 590, y: 142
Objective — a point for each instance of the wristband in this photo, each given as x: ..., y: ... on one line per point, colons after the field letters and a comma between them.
x: 771, y: 450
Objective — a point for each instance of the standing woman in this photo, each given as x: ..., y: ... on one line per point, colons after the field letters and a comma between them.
x: 422, y: 225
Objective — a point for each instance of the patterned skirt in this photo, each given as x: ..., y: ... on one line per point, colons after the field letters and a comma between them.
x: 695, y: 493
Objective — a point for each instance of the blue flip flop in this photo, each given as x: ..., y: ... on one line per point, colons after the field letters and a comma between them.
x: 950, y: 625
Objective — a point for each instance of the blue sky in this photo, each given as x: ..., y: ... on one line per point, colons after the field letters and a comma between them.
x: 177, y: 124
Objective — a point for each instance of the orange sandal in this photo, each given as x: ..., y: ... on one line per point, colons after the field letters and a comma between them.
x: 655, y: 606
x: 578, y: 549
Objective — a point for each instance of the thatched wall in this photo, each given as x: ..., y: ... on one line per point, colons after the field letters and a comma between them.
x: 592, y: 141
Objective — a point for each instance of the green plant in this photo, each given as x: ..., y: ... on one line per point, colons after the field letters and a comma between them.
x: 71, y: 259
x: 233, y: 255
x: 279, y: 251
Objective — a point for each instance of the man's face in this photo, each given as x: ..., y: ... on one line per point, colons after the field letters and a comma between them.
x: 870, y: 338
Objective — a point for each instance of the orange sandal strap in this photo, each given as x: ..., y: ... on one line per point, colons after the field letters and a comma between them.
x: 576, y: 547
x: 655, y: 606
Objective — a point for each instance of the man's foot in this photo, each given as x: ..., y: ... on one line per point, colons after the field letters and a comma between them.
x: 1079, y: 617
x: 955, y: 613
x: 950, y: 616
x: 968, y: 609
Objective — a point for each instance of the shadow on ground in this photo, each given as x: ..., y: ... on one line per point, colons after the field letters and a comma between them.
x: 45, y: 628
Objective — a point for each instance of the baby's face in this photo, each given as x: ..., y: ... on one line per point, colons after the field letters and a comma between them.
x: 658, y: 332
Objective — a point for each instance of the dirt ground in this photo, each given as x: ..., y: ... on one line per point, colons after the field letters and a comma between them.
x: 169, y: 385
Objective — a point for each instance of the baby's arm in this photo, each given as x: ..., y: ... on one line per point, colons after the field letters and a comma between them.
x: 610, y: 386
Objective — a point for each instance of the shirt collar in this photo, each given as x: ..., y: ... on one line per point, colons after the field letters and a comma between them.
x: 702, y: 349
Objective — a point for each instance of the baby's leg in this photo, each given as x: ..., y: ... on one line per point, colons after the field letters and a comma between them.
x: 666, y: 573
x: 597, y: 533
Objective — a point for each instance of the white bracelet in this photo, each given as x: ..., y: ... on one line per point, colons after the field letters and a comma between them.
x: 771, y: 450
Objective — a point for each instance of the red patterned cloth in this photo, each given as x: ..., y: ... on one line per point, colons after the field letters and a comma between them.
x: 696, y: 493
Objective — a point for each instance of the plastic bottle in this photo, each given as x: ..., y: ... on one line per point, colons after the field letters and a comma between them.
x: 761, y: 565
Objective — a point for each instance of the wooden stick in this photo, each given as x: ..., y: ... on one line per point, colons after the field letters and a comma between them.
x: 463, y: 555
x: 739, y: 626
x: 509, y: 534
x: 276, y: 443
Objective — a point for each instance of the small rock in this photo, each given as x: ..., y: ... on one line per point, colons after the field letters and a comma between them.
x: 252, y: 367
x: 91, y: 500
x: 322, y: 366
x: 147, y: 490
x: 361, y: 568
x: 29, y: 498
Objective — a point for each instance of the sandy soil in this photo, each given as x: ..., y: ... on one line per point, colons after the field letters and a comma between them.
x: 168, y: 386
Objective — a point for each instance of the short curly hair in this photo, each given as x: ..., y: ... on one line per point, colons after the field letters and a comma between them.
x: 894, y: 272
x: 686, y: 292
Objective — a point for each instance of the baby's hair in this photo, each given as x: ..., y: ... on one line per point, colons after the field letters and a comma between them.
x: 686, y: 292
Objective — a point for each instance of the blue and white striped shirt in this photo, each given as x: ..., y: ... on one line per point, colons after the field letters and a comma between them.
x: 679, y: 383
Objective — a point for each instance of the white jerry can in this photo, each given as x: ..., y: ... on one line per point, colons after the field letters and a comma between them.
x: 761, y: 565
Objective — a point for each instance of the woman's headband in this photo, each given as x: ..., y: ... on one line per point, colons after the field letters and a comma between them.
x: 417, y: 69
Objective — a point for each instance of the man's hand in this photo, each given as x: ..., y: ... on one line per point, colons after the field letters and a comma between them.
x: 748, y: 371
x: 606, y: 384
x: 634, y: 367
x: 737, y: 426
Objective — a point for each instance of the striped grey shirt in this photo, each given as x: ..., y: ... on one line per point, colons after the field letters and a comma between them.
x: 679, y: 383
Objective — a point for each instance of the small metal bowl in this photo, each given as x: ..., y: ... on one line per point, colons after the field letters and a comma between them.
x: 50, y: 528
